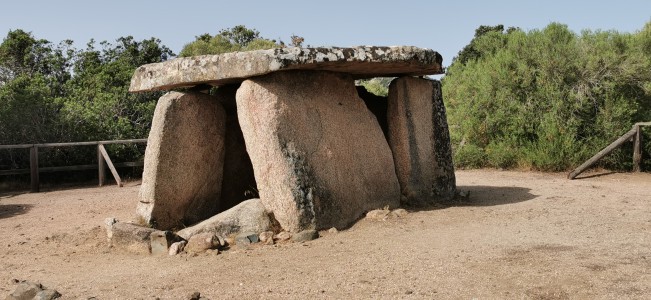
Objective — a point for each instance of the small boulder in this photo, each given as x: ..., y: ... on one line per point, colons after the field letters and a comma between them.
x: 201, y: 242
x: 399, y: 213
x: 195, y: 296
x: 128, y: 236
x: 305, y: 235
x: 176, y: 248
x: 222, y: 241
x: 27, y: 290
x: 248, y: 216
x: 108, y: 224
x: 47, y: 294
x: 266, y: 237
x: 283, y: 236
x: 333, y: 230
x: 246, y: 238
x: 378, y: 214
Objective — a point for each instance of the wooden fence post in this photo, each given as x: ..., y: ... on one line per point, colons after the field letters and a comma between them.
x: 110, y: 164
x: 624, y: 138
x: 101, y: 166
x: 637, y: 153
x: 33, y: 166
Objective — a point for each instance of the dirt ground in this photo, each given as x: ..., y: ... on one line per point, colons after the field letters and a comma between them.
x: 519, y: 235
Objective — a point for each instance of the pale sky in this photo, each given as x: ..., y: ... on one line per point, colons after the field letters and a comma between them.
x: 445, y: 26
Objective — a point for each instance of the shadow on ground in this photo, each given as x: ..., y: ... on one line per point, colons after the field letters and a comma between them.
x: 479, y: 195
x: 12, y: 210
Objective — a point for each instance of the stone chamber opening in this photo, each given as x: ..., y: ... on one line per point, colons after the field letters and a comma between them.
x: 238, y: 183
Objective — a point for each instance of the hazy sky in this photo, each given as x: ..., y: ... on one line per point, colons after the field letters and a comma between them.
x: 445, y: 26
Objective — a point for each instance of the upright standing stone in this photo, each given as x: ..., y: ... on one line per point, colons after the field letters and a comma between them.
x: 319, y: 156
x: 184, y: 158
x: 420, y: 140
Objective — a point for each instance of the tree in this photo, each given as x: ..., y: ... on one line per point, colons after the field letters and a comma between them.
x: 22, y: 54
x: 32, y: 72
x: 238, y: 38
x: 546, y: 99
x: 470, y: 51
x: 60, y: 94
x: 240, y: 35
x: 97, y: 104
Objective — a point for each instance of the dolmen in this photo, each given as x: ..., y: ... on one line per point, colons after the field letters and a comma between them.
x: 289, y: 126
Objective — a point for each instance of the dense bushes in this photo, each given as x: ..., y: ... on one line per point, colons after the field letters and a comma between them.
x: 55, y: 93
x: 547, y: 99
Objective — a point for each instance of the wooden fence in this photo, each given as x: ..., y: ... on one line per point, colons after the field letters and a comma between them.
x: 633, y: 134
x: 103, y: 160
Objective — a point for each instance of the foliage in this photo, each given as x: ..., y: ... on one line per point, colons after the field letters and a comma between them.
x: 547, y: 99
x: 470, y: 51
x: 57, y: 93
x: 378, y: 85
x: 238, y: 38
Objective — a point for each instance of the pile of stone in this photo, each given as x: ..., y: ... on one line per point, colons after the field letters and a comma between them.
x: 245, y: 224
x: 290, y: 127
x: 27, y: 290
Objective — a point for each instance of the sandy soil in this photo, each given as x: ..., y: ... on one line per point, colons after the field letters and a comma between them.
x: 519, y: 235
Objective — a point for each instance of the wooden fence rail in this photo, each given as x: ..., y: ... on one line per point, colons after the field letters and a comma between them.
x: 103, y: 160
x: 633, y: 134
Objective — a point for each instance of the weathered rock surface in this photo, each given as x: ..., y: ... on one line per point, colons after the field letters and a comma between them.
x: 283, y: 236
x: 399, y: 213
x: 182, y: 176
x: 305, y: 235
x: 247, y: 238
x: 238, y: 182
x: 27, y: 290
x: 266, y: 237
x: 127, y: 236
x: 177, y: 248
x: 201, y: 242
x: 248, y: 216
x: 378, y: 214
x: 361, y: 62
x: 319, y: 157
x: 384, y: 214
x: 420, y: 141
x: 161, y: 241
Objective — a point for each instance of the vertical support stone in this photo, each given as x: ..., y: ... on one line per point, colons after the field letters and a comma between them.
x: 182, y: 175
x: 420, y: 141
x: 319, y: 156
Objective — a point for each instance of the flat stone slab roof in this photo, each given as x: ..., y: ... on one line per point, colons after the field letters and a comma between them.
x: 361, y: 62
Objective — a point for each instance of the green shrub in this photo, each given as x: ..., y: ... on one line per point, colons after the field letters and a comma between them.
x: 548, y: 99
x: 470, y: 156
